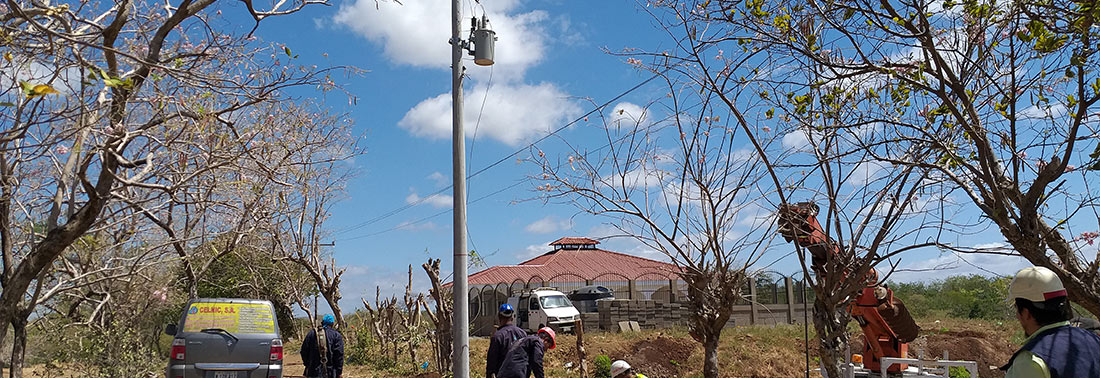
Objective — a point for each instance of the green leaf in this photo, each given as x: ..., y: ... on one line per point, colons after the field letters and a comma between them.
x: 287, y: 51
x: 112, y: 82
x: 34, y: 90
x: 7, y: 104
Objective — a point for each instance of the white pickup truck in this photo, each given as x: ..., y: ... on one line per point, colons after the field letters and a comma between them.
x: 543, y: 307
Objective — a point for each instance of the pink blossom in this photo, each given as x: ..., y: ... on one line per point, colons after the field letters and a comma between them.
x: 1070, y: 168
x: 61, y: 149
x: 161, y: 295
x: 766, y: 129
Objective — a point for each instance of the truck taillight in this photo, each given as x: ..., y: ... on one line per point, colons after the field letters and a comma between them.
x: 179, y: 349
x: 277, y: 350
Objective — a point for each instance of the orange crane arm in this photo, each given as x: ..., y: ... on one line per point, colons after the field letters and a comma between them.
x: 886, y: 323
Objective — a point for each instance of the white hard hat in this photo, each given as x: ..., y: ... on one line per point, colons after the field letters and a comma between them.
x: 619, y: 367
x: 1036, y: 284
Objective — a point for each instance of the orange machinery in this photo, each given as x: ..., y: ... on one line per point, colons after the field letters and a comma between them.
x: 887, y: 325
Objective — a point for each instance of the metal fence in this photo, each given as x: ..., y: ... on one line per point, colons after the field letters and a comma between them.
x: 769, y: 297
x: 766, y: 287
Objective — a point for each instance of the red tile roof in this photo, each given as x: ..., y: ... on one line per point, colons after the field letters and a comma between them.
x: 577, y: 265
x: 574, y: 240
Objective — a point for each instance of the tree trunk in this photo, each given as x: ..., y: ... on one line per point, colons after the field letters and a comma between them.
x: 333, y: 299
x: 581, y: 363
x: 18, y: 347
x: 710, y: 354
x: 831, y: 325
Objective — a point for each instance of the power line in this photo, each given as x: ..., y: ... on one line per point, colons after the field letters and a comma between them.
x: 498, y: 162
x: 424, y: 219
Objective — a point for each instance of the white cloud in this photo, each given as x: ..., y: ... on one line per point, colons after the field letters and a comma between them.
x: 532, y: 251
x: 410, y: 226
x: 755, y: 216
x: 356, y: 270
x: 356, y: 288
x: 514, y: 113
x: 413, y: 32
x: 439, y: 178
x: 642, y: 177
x: 628, y: 114
x: 549, y: 224
x: 866, y: 172
x: 1043, y: 112
x: 435, y: 200
x: 796, y: 140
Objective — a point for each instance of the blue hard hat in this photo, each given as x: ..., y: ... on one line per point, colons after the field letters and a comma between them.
x: 506, y: 310
x: 328, y: 320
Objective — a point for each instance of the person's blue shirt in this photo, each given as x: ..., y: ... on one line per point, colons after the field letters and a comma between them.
x: 502, y: 339
x: 311, y: 354
x: 523, y: 359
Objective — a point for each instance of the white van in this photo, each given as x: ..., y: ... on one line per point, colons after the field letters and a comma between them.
x: 544, y: 307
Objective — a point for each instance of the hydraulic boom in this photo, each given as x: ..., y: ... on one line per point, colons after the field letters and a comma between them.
x: 887, y: 325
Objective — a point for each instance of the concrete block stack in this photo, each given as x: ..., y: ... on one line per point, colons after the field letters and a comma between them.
x: 591, y: 321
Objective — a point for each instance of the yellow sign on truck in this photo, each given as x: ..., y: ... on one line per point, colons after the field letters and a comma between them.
x: 232, y: 317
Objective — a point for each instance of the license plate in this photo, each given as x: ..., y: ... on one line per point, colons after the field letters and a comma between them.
x: 225, y: 374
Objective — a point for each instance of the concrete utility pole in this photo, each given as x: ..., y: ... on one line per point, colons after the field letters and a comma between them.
x: 484, y: 41
x: 461, y: 326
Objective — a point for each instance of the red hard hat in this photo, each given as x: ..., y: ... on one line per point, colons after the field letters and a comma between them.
x: 553, y: 337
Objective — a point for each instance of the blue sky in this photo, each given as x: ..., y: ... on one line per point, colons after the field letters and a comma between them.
x: 551, y: 66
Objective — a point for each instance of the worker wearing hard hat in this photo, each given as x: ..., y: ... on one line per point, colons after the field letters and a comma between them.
x: 506, y: 334
x: 621, y: 369
x: 1054, y: 348
x: 524, y: 357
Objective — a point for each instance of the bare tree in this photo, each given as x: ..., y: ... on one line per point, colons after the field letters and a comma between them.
x: 682, y: 184
x: 297, y: 233
x: 111, y: 99
x: 973, y: 102
x: 442, y: 316
x: 998, y: 98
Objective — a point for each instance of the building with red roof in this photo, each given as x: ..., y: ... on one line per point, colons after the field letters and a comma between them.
x: 572, y: 263
x: 576, y: 260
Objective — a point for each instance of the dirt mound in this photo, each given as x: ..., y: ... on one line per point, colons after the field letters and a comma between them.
x: 428, y: 375
x: 987, y: 349
x: 661, y: 356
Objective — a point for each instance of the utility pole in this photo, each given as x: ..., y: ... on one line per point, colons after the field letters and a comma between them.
x: 483, y: 41
x: 461, y: 327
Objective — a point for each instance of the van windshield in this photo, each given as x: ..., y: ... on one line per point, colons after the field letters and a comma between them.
x: 555, y: 301
x: 230, y: 317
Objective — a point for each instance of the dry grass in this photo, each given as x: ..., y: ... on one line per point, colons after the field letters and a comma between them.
x: 745, y: 351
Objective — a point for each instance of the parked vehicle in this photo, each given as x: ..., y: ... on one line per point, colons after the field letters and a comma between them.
x: 584, y: 299
x: 544, y: 307
x: 226, y: 338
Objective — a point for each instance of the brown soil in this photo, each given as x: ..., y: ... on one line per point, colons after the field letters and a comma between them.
x: 428, y: 375
x: 661, y: 356
x: 988, y: 350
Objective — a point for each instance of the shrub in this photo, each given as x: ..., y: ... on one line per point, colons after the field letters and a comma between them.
x: 958, y: 372
x: 603, y: 366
